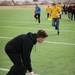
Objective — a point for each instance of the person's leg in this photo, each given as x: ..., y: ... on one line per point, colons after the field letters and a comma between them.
x: 74, y: 15
x: 38, y: 18
x: 47, y: 15
x: 22, y: 72
x: 35, y: 16
x: 16, y: 70
x: 60, y: 16
x: 17, y: 67
x: 53, y: 22
x: 69, y: 16
x: 57, y: 26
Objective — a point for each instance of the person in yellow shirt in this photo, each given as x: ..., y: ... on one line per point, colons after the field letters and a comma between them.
x: 60, y: 7
x: 48, y: 10
x: 55, y: 13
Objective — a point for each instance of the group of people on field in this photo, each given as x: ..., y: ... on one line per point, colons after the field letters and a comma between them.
x: 55, y: 11
x: 69, y: 9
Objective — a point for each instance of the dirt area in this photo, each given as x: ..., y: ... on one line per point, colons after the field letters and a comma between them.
x: 26, y: 6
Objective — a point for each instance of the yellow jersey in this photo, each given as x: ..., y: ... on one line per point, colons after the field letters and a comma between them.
x: 55, y: 12
x: 48, y: 9
x: 60, y: 6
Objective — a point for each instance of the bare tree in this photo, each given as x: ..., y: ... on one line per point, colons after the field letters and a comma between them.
x: 13, y: 2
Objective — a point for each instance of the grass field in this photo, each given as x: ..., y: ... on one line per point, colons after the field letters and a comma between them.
x: 55, y: 56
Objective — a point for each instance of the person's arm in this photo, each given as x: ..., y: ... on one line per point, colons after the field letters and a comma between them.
x: 27, y: 47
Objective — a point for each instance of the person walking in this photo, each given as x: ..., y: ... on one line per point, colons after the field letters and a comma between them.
x: 69, y: 12
x: 48, y: 10
x: 73, y: 12
x: 19, y: 50
x: 37, y: 13
x: 55, y: 17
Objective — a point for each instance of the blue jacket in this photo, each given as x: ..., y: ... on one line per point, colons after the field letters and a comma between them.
x: 38, y: 10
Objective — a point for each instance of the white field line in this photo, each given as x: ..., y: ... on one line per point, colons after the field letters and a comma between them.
x: 35, y: 28
x: 3, y: 69
x: 62, y: 43
x: 17, y: 21
x: 5, y: 37
x: 21, y: 21
x: 12, y: 21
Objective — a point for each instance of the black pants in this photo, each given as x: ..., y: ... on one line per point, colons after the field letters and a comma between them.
x: 17, y: 68
x: 48, y: 15
x: 37, y: 17
x: 73, y: 15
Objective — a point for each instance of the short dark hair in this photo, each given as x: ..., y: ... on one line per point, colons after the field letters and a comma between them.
x: 53, y: 4
x: 41, y: 33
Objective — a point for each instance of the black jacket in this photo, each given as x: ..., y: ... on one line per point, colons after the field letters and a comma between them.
x: 23, y: 45
x: 69, y: 9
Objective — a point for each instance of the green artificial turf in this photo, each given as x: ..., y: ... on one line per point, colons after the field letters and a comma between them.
x: 55, y: 56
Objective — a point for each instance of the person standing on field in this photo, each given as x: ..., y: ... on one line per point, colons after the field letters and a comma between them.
x: 37, y: 13
x: 48, y: 10
x: 55, y: 17
x: 69, y: 11
x: 73, y: 12
x: 19, y: 50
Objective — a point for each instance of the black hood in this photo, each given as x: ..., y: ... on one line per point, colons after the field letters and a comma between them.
x: 32, y: 37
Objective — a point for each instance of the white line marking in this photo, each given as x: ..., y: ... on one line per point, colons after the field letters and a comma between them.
x: 34, y: 28
x: 59, y: 43
x: 62, y: 43
x: 22, y: 21
x: 3, y: 69
x: 29, y: 74
x: 17, y: 21
x: 5, y: 37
